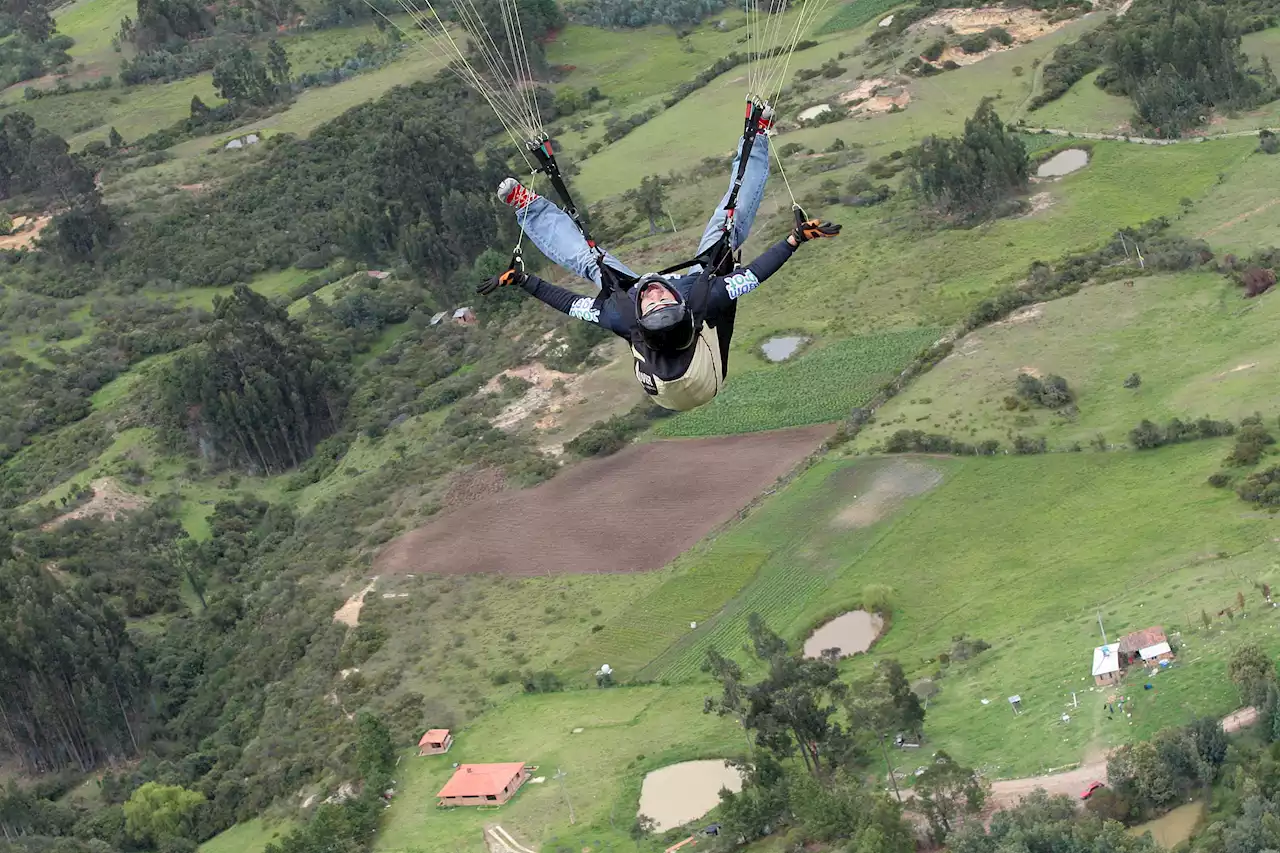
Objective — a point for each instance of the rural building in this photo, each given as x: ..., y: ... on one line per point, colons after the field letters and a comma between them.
x: 435, y: 742
x: 1133, y: 645
x: 378, y: 274
x: 1106, y: 664
x: 435, y: 319
x: 483, y: 784
x: 464, y: 316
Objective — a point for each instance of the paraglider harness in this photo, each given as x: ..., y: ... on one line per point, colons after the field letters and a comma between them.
x: 716, y: 260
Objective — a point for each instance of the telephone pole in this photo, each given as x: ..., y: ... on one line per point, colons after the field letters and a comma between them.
x: 559, y: 777
x: 1100, y: 628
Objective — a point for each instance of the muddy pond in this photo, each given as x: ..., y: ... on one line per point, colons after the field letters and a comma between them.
x: 679, y: 793
x: 1172, y: 829
x: 1063, y: 163
x: 781, y: 349
x: 851, y: 633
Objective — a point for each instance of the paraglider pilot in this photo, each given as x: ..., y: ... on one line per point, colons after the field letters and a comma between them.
x: 679, y: 327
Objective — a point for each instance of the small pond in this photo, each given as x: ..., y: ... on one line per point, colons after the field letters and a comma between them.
x: 814, y: 112
x: 1063, y: 163
x: 1173, y: 828
x: 679, y: 793
x: 850, y: 632
x: 781, y: 349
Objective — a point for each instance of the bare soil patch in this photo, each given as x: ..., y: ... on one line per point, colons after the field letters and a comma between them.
x: 893, y: 484
x: 25, y: 231
x: 109, y: 501
x: 1023, y: 24
x: 1237, y: 369
x: 541, y: 397
x: 470, y: 486
x: 349, y: 613
x: 877, y: 95
x: 631, y: 512
x: 1022, y: 315
x: 1039, y: 203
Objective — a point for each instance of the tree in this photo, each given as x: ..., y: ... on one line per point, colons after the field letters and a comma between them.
x: 1240, y: 600
x: 945, y: 793
x: 1252, y: 672
x: 278, y: 63
x: 375, y: 751
x: 258, y: 390
x: 80, y: 232
x: 1204, y: 618
x: 114, y: 140
x: 969, y: 177
x: 157, y: 812
x: 793, y: 707
x: 1133, y: 381
x: 649, y: 199
x: 242, y: 78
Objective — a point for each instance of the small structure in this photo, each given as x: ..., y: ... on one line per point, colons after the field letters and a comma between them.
x: 242, y: 141
x: 483, y: 784
x: 464, y: 316
x: 1132, y: 645
x: 1016, y: 702
x: 435, y: 742
x: 1106, y: 664
x: 436, y: 318
x: 1157, y: 653
x: 378, y: 274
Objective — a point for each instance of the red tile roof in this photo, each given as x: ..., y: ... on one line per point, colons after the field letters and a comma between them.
x: 1144, y: 639
x: 434, y: 736
x: 478, y: 780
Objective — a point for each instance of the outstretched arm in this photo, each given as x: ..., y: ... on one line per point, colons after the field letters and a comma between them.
x: 592, y: 309
x: 725, y: 289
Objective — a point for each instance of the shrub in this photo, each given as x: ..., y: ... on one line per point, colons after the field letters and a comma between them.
x: 933, y: 51
x: 545, y: 681
x: 975, y: 43
x: 1052, y: 392
x: 1268, y: 142
x: 877, y: 598
x: 1251, y: 442
x: 1219, y: 480
x: 999, y: 35
x: 1133, y: 381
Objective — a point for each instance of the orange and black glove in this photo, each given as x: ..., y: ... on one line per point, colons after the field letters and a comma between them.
x: 513, y: 275
x: 813, y: 229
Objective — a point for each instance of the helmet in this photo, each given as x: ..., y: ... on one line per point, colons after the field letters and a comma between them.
x: 668, y: 327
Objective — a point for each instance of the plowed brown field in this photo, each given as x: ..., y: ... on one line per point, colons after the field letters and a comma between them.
x: 634, y: 511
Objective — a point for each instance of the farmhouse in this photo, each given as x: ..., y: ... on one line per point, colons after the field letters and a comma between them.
x: 464, y: 316
x: 1148, y: 646
x: 1106, y: 664
x: 435, y: 742
x: 435, y: 319
x: 483, y: 784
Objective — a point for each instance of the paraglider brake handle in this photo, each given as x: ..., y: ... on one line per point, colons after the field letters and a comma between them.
x: 801, y: 216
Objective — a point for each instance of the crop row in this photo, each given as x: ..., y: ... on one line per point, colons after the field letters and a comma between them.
x: 820, y: 387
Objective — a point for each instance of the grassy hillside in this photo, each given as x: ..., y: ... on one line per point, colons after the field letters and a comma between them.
x: 1022, y: 552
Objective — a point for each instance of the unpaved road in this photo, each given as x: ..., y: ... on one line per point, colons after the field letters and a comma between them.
x: 1006, y: 793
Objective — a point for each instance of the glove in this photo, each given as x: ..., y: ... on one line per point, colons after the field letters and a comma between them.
x: 514, y: 275
x: 813, y: 229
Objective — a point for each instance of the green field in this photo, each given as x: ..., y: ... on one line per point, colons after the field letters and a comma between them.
x: 855, y: 14
x: 818, y: 387
x: 250, y: 837
x: 1137, y: 537
x: 1200, y: 349
x: 626, y: 732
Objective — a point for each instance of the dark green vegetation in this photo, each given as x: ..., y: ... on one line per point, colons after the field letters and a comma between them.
x: 974, y: 176
x: 1178, y: 63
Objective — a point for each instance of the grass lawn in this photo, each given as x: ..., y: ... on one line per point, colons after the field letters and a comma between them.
x: 1199, y: 347
x: 1137, y: 537
x: 1085, y: 108
x: 93, y: 24
x: 625, y: 733
x: 249, y: 837
x: 1239, y: 215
